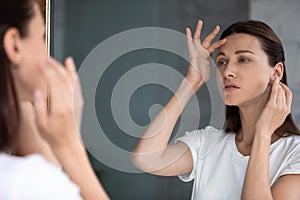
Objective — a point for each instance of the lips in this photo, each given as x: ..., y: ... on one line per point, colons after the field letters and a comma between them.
x: 229, y: 86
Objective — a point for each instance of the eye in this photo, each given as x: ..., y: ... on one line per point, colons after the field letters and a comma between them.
x: 244, y: 60
x: 222, y: 62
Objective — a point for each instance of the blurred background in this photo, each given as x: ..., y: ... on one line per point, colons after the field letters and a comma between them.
x: 78, y: 26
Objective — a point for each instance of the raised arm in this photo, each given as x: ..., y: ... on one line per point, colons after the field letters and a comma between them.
x: 153, y: 154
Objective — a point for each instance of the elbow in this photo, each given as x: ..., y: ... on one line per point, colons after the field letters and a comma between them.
x: 144, y: 162
x: 138, y: 160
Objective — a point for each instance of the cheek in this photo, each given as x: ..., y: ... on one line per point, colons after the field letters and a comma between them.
x: 259, y: 87
x: 220, y: 84
x: 28, y: 81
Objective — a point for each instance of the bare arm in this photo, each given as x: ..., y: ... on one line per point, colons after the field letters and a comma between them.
x: 153, y: 153
x: 256, y: 183
x: 287, y: 187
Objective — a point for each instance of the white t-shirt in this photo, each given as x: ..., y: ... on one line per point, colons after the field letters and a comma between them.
x: 33, y: 178
x: 219, y: 168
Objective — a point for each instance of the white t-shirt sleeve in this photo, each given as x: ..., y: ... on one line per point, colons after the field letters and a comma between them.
x: 37, y: 179
x: 200, y: 143
x: 294, y: 165
x: 191, y: 140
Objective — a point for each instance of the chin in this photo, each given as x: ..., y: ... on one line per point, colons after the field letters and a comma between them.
x: 230, y: 102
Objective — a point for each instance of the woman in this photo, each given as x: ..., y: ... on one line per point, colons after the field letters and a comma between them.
x: 257, y: 156
x: 28, y: 75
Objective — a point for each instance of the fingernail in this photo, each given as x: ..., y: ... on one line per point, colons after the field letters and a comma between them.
x: 277, y: 79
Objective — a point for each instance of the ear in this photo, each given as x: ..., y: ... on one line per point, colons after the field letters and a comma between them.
x: 12, y: 44
x: 277, y: 71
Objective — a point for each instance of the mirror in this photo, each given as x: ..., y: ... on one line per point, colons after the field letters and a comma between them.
x: 45, y: 5
x: 77, y: 27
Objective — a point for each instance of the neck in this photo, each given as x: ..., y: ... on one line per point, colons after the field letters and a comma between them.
x: 249, y: 114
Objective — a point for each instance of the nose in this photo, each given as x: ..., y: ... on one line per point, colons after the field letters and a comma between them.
x: 228, y: 71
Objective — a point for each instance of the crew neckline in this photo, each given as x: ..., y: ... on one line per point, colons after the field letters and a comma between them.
x: 240, y: 155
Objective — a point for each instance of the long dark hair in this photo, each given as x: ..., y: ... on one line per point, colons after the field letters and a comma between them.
x: 272, y: 46
x: 17, y: 14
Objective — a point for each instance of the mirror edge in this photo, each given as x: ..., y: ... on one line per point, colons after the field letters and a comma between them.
x: 47, y: 24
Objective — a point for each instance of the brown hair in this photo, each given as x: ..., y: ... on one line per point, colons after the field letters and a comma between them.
x: 272, y: 46
x: 13, y: 13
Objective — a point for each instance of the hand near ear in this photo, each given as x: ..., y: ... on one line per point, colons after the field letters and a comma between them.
x: 29, y: 140
x: 277, y: 72
x: 60, y: 122
x: 276, y: 110
x: 59, y: 125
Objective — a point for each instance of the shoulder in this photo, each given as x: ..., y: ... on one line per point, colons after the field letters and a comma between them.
x: 290, y: 143
x: 32, y: 177
x: 286, y: 153
x: 203, y: 140
x: 208, y: 133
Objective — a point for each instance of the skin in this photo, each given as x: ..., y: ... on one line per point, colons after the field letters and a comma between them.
x: 59, y: 123
x: 29, y: 139
x: 264, y: 103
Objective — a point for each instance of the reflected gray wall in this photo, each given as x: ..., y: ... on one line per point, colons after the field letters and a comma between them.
x: 283, y: 17
x: 79, y: 26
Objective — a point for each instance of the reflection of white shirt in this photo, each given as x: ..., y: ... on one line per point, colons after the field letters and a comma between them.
x: 33, y: 178
x: 219, y: 168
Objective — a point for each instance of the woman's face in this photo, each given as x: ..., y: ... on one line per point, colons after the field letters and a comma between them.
x: 244, y: 74
x: 27, y: 74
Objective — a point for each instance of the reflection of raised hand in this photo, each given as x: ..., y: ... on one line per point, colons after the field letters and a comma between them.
x: 153, y: 153
x: 200, y: 54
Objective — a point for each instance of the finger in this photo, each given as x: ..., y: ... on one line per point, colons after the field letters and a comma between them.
x: 281, y: 100
x: 274, y: 92
x: 207, y: 41
x: 288, y: 95
x: 71, y: 68
x: 216, y: 45
x: 197, y: 33
x: 51, y: 70
x: 40, y: 109
x: 58, y: 82
x: 46, y: 72
x: 58, y: 68
x: 189, y: 40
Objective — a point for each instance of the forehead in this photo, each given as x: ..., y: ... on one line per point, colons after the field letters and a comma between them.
x: 241, y: 41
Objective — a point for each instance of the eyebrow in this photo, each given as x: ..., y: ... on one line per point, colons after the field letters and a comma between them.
x: 237, y: 52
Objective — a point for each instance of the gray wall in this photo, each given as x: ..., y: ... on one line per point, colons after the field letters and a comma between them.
x: 283, y: 17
